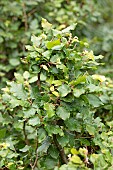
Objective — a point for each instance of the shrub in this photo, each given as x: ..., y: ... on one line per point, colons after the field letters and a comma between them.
x: 52, y: 110
x: 20, y: 19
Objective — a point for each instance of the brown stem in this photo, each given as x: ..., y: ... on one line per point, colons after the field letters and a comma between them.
x: 24, y: 131
x: 61, y: 150
x: 33, y: 165
x: 25, y: 16
x: 38, y: 81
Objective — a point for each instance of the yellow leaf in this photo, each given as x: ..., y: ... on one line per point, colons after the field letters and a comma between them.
x: 52, y: 88
x: 74, y: 151
x: 46, y: 24
x: 56, y: 93
x: 45, y: 67
x: 76, y: 159
x: 90, y: 55
x: 101, y: 78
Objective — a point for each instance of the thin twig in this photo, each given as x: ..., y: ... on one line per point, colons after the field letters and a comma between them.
x: 36, y: 159
x: 25, y: 16
x: 25, y: 135
x: 61, y: 150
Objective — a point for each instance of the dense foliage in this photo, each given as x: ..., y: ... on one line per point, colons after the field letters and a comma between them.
x: 21, y: 18
x: 51, y: 108
x: 56, y: 103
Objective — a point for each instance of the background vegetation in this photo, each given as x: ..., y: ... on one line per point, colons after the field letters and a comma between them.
x: 56, y: 107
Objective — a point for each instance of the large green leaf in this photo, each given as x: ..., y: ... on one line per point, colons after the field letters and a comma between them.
x: 29, y: 113
x: 53, y: 43
x: 18, y: 90
x: 44, y: 147
x: 50, y: 109
x: 94, y: 100
x: 64, y: 89
x: 78, y: 92
x: 34, y: 121
x: 62, y: 113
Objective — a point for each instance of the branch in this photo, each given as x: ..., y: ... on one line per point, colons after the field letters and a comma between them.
x: 25, y: 16
x: 24, y: 131
x: 61, y: 150
x: 33, y: 165
x: 38, y: 82
x: 36, y: 159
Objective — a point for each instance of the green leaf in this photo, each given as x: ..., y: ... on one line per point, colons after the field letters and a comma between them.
x: 29, y: 113
x: 43, y: 76
x: 78, y: 92
x: 25, y: 149
x: 26, y: 75
x: 94, y: 100
x: 14, y: 61
x: 36, y: 40
x: 19, y: 77
x: 44, y: 147
x: 79, y: 80
x: 18, y: 90
x: 64, y: 90
x: 2, y: 133
x: 72, y: 27
x: 53, y: 152
x: 91, y: 130
x: 52, y: 44
x: 33, y: 79
x: 62, y: 113
x: 41, y: 135
x: 49, y: 107
x: 29, y: 48
x: 34, y: 121
x: 54, y: 129
x: 63, y: 140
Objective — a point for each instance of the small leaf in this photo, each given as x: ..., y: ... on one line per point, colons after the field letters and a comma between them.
x: 52, y: 44
x: 55, y: 93
x: 64, y: 90
x: 78, y: 92
x: 63, y: 140
x: 33, y: 79
x: 29, y: 113
x: 46, y: 24
x: 53, y: 152
x: 18, y: 90
x: 25, y: 149
x: 44, y: 147
x: 74, y: 151
x: 43, y: 76
x: 26, y: 75
x: 76, y: 159
x: 66, y: 30
x: 49, y: 107
x: 29, y: 48
x: 79, y: 80
x: 62, y: 113
x: 94, y: 100
x: 101, y: 78
x: 34, y: 121
x: 36, y: 41
x: 52, y: 88
x: 14, y: 61
x: 45, y: 67
x: 91, y: 130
